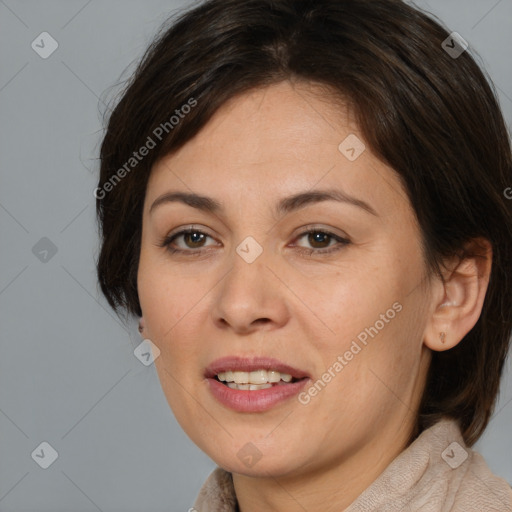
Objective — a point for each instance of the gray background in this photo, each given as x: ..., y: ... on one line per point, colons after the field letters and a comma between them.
x: 68, y: 375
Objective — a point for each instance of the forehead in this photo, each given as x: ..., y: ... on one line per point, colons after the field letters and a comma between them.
x: 276, y: 141
x: 283, y: 120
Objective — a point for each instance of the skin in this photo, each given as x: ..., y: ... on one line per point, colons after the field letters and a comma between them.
x: 302, y: 309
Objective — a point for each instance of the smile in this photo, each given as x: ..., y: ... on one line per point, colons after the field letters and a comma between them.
x: 253, y: 385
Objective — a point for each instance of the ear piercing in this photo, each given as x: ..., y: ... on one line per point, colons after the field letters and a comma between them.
x: 442, y: 335
x: 140, y: 327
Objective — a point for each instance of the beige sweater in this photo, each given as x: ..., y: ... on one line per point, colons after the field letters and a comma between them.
x: 436, y: 473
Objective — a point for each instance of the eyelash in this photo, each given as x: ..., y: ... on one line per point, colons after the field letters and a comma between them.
x: 342, y: 242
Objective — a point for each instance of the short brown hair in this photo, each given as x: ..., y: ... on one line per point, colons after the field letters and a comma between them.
x: 433, y: 117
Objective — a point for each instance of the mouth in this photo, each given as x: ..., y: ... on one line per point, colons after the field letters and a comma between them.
x: 253, y: 385
x: 255, y: 380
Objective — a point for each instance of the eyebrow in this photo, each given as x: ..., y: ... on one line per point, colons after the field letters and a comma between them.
x: 284, y: 206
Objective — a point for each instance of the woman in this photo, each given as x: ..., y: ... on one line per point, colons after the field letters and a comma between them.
x: 303, y: 203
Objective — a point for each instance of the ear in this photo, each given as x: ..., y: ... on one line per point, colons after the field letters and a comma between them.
x: 457, y: 303
x: 142, y: 326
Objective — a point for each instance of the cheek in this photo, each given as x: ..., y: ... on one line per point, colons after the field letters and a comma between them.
x: 390, y: 362
x: 167, y: 297
x: 169, y: 315
x: 376, y: 348
x: 356, y: 308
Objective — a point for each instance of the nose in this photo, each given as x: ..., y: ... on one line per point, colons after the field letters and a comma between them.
x: 250, y: 297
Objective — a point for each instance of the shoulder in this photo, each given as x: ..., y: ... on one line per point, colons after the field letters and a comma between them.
x: 460, y: 475
x: 468, y: 482
x: 437, y: 473
x: 479, y: 489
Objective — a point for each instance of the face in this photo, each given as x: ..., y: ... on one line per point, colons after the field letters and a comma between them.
x: 329, y: 291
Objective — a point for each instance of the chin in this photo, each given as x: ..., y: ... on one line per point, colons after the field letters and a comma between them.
x: 248, y: 460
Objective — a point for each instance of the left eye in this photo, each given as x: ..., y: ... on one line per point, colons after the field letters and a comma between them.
x: 194, y: 239
x: 315, y: 237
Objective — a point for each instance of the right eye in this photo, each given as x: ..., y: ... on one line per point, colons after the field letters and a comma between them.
x: 192, y: 237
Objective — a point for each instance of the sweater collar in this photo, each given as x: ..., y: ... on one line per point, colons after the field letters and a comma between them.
x: 436, y: 473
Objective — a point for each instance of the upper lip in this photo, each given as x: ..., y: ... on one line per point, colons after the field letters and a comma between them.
x: 242, y: 364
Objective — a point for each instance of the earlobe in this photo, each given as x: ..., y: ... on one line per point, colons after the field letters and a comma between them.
x: 141, y: 325
x: 463, y: 293
x: 442, y: 340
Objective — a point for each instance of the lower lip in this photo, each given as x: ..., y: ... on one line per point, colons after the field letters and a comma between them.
x: 254, y: 401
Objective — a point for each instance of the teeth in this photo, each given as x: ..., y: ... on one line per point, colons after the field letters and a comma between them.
x: 250, y: 387
x: 241, y: 377
x: 255, y: 378
x: 258, y: 377
x: 273, y: 376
